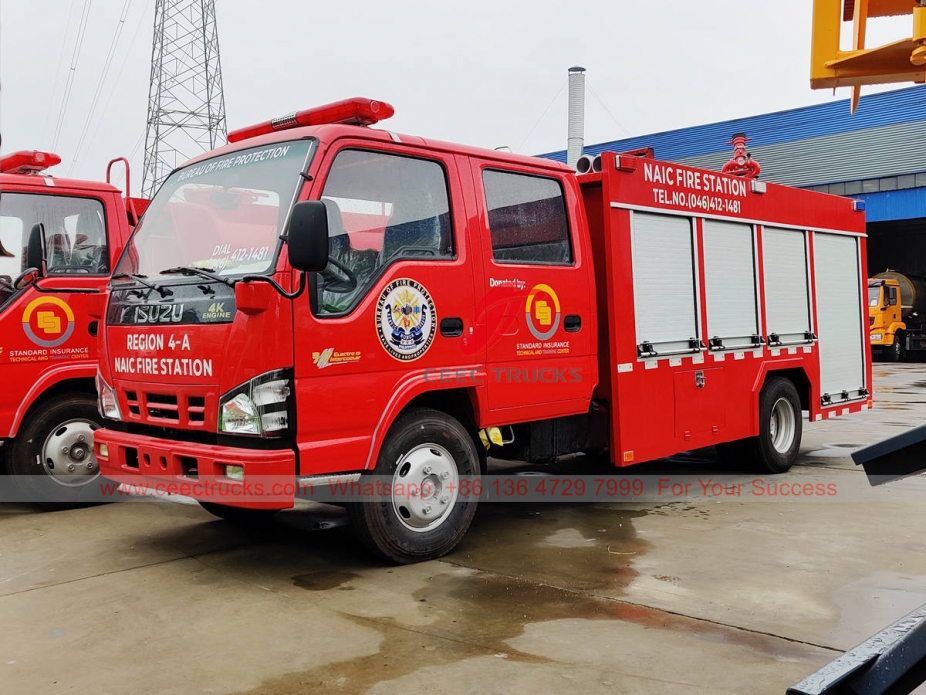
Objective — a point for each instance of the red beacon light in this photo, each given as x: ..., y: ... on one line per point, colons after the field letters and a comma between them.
x: 26, y: 162
x: 357, y: 111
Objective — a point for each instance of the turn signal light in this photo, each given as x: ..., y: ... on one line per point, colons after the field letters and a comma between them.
x: 357, y: 111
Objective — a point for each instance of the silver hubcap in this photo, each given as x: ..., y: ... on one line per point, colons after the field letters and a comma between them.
x: 67, y: 454
x: 782, y: 425
x: 425, y: 487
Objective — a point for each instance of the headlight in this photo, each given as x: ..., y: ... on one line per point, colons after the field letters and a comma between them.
x: 262, y: 407
x: 877, y: 337
x: 106, y: 399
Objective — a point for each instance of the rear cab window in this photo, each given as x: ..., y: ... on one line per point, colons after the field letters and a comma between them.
x: 528, y: 223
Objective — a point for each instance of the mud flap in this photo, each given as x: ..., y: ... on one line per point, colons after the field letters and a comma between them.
x: 894, y: 458
x: 893, y: 662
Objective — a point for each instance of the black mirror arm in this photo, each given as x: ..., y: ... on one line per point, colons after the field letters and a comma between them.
x: 276, y: 285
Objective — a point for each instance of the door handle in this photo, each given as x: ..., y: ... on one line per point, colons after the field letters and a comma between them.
x: 572, y: 323
x: 451, y: 327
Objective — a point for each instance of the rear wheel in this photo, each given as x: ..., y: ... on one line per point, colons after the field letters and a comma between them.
x: 52, y: 459
x: 780, y: 429
x: 431, y: 466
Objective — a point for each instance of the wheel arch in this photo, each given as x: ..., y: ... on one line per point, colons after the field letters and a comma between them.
x: 463, y: 404
x: 798, y: 377
x: 48, y: 388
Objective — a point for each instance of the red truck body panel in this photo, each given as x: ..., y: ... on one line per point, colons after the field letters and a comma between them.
x: 657, y: 408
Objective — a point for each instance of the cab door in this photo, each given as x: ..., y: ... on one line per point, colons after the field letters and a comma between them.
x: 538, y: 294
x: 393, y: 316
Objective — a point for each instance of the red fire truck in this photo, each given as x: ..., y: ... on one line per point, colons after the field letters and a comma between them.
x: 427, y: 302
x: 58, y: 240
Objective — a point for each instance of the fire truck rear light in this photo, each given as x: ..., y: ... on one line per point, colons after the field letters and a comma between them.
x: 858, y: 205
x: 26, y: 162
x: 234, y: 473
x: 357, y: 111
x: 624, y: 162
x: 759, y: 187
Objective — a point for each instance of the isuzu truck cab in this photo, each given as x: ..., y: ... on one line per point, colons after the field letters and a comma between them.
x: 323, y: 301
x: 59, y: 238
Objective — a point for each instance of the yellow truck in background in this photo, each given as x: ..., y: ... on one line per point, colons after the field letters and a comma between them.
x: 896, y: 315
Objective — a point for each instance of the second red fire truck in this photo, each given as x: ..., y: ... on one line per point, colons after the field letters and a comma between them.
x: 59, y: 238
x: 324, y: 300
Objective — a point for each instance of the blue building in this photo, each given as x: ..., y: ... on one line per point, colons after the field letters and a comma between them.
x: 878, y: 155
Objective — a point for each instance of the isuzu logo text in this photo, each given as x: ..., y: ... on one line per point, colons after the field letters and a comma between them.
x: 152, y: 314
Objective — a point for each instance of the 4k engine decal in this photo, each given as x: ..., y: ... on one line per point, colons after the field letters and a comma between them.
x: 405, y: 319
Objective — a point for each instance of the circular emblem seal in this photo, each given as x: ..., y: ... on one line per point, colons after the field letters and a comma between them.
x: 405, y: 319
x: 542, y: 312
x: 48, y: 322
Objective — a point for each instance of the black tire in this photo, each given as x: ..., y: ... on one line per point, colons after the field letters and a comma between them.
x: 895, y: 353
x: 426, y: 443
x: 239, y: 515
x: 51, y: 459
x: 769, y: 452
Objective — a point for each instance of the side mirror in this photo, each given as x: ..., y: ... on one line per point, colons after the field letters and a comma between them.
x: 307, y: 236
x: 27, y: 279
x: 35, y: 249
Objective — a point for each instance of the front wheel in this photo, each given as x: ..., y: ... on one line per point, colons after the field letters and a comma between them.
x: 895, y: 353
x: 51, y: 459
x: 427, y: 485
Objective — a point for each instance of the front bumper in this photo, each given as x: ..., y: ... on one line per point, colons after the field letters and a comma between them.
x: 194, y: 470
x: 881, y: 339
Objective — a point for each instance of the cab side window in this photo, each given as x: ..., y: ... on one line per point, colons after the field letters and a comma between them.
x: 527, y: 219
x: 892, y: 296
x: 382, y: 208
x: 75, y: 233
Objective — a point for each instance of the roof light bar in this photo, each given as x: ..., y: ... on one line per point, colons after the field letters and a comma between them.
x: 357, y: 111
x: 28, y: 162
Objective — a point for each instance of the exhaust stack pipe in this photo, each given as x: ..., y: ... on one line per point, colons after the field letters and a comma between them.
x: 576, y: 135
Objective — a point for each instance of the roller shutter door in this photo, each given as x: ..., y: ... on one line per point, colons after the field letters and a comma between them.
x: 839, y: 316
x: 730, y: 283
x: 787, y: 284
x: 664, y: 282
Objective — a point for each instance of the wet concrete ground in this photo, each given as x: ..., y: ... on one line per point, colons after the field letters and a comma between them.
x: 682, y: 596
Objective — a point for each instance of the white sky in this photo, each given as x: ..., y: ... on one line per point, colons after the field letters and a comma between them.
x: 480, y: 72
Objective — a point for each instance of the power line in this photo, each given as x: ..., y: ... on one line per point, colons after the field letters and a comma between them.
x: 125, y: 60
x: 543, y: 115
x: 607, y: 111
x: 99, y: 86
x: 54, y: 89
x: 81, y: 32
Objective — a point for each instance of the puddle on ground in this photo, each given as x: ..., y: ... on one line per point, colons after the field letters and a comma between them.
x: 581, y: 546
x: 477, y: 615
x: 835, y: 450
x: 324, y: 580
x: 534, y: 563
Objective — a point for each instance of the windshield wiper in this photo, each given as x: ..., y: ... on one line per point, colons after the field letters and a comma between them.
x: 202, y: 272
x: 143, y: 280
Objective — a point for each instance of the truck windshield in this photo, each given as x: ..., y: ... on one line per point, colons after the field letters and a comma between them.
x: 223, y: 214
x: 874, y: 296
